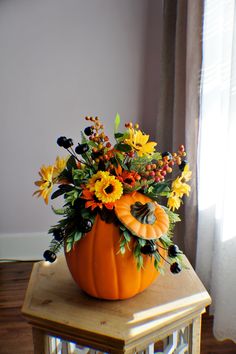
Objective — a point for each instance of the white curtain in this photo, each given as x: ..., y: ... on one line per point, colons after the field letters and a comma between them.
x: 216, y: 253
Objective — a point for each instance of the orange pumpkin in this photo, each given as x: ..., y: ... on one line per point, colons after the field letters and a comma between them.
x: 141, y: 215
x: 101, y: 271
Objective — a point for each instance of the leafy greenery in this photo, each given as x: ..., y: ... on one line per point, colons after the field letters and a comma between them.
x: 123, y: 147
x: 158, y: 190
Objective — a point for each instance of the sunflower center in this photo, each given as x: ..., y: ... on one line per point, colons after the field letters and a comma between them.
x: 144, y: 213
x: 109, y: 189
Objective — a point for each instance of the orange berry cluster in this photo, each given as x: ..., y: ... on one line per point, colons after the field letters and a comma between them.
x: 130, y: 125
x: 98, y: 136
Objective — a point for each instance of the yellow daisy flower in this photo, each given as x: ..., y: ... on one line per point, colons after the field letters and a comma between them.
x: 59, y: 166
x: 180, y: 188
x: 108, y: 189
x: 186, y: 174
x: 46, y: 183
x: 96, y: 177
x: 173, y: 202
x: 139, y: 142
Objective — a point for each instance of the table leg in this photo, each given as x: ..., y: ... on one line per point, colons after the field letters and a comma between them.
x: 40, y: 340
x: 196, y: 335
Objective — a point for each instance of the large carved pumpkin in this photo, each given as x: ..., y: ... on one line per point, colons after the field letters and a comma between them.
x: 101, y: 271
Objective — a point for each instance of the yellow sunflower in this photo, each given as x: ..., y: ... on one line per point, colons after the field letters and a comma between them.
x: 186, y: 174
x: 108, y: 189
x: 139, y: 142
x: 96, y: 177
x: 46, y: 183
x: 173, y: 202
x: 59, y: 166
x: 180, y: 188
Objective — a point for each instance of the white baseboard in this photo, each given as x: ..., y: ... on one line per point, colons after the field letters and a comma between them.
x: 24, y: 246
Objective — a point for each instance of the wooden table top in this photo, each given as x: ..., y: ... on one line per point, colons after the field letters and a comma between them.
x: 53, y: 301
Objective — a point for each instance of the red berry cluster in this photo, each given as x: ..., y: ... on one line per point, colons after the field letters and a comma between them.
x: 158, y: 170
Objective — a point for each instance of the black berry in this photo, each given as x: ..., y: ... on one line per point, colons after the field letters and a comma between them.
x: 81, y: 149
x: 183, y: 164
x: 85, y: 225
x: 61, y: 141
x: 58, y: 234
x: 49, y: 256
x: 88, y: 131
x: 68, y: 143
x: 149, y: 248
x: 175, y: 268
x: 168, y: 154
x: 101, y: 166
x: 173, y: 250
x: 95, y: 155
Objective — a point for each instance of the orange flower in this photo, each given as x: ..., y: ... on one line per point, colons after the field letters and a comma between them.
x: 93, y: 202
x: 126, y: 177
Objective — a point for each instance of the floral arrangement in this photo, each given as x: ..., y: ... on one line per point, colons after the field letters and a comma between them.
x: 128, y: 183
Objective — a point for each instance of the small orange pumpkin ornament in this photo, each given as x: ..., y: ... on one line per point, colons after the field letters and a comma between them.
x: 141, y: 215
x: 102, y: 272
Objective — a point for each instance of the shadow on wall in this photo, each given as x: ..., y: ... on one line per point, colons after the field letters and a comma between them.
x: 151, y: 74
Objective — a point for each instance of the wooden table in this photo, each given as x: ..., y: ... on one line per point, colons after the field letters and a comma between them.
x: 61, y: 314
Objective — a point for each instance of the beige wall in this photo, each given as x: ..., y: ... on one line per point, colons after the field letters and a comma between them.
x: 59, y: 61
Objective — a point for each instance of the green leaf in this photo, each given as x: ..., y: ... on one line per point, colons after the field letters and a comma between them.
x: 63, y: 188
x: 119, y: 135
x: 156, y: 156
x: 57, y: 193
x: 84, y: 139
x: 161, y: 270
x: 120, y: 157
x: 127, y: 236
x: 160, y: 187
x: 122, y: 227
x: 71, y: 163
x: 55, y: 246
x: 140, y: 261
x: 137, y: 250
x: 117, y: 122
x: 72, y: 196
x: 70, y: 239
x: 157, y: 265
x: 61, y: 211
x: 65, y: 174
x: 157, y: 256
x: 141, y: 241
x: 173, y: 217
x: 77, y: 236
x: 69, y: 246
x: 122, y: 249
x: 123, y: 147
x: 165, y: 240
x: 66, y: 187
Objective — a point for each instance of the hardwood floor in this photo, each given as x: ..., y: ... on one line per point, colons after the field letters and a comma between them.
x: 15, y: 333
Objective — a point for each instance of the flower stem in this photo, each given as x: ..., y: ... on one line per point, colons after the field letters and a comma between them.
x: 164, y: 258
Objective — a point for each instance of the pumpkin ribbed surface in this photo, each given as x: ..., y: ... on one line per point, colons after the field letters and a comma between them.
x: 101, y: 272
x: 155, y: 230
